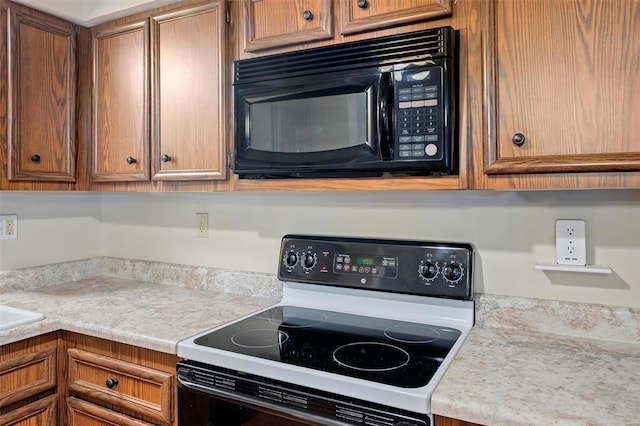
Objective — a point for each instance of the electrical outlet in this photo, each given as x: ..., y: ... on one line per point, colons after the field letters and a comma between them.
x: 8, y: 227
x: 203, y: 225
x: 571, y: 242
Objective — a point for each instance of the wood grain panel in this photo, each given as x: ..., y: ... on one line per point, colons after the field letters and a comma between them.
x: 273, y: 23
x: 188, y: 89
x: 386, y: 13
x: 83, y: 413
x: 446, y: 421
x: 121, y: 103
x: 41, y: 96
x: 42, y: 412
x: 564, y: 74
x: 27, y: 375
x: 138, y: 388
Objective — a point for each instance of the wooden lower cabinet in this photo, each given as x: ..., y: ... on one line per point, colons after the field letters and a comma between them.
x: 446, y: 421
x: 28, y: 381
x: 111, y: 383
x: 82, y: 413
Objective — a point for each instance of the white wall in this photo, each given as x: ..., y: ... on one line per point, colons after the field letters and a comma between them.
x: 511, y: 231
x: 52, y: 227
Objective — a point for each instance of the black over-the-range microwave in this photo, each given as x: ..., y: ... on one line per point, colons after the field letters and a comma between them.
x: 382, y: 106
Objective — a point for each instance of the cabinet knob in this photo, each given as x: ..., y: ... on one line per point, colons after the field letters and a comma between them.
x: 165, y: 158
x: 363, y: 4
x: 131, y: 160
x: 307, y: 15
x: 35, y: 158
x: 518, y: 139
x: 111, y: 383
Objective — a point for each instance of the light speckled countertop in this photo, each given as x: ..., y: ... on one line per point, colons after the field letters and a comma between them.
x: 512, y: 371
x: 153, y: 316
x: 525, y: 362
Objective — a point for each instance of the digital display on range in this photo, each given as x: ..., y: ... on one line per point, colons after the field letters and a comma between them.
x: 364, y: 261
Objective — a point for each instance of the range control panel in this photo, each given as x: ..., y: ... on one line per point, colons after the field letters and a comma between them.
x: 436, y: 269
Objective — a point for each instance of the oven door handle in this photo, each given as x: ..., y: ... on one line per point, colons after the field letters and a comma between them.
x: 261, y: 403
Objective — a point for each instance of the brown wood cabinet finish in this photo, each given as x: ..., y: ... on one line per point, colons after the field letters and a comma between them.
x: 446, y: 421
x: 366, y: 15
x: 275, y: 23
x: 43, y: 412
x: 121, y: 384
x: 42, y: 92
x: 120, y: 139
x: 146, y: 388
x: 188, y: 131
x: 564, y: 75
x: 82, y: 413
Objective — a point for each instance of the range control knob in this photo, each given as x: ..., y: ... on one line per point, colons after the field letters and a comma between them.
x: 428, y: 270
x: 290, y: 259
x: 452, y: 272
x: 308, y: 260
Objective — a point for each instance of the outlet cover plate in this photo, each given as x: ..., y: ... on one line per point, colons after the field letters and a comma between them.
x: 8, y: 227
x: 571, y: 242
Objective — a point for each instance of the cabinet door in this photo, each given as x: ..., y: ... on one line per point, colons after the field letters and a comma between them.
x: 188, y: 132
x: 275, y: 23
x: 120, y: 125
x: 42, y: 92
x: 365, y: 15
x: 567, y: 87
x: 82, y: 413
x: 42, y: 412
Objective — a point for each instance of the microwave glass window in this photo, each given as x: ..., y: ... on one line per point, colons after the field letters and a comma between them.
x: 309, y: 125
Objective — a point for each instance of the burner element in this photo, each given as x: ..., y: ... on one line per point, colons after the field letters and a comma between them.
x: 371, y: 356
x: 291, y: 317
x: 412, y: 333
x: 259, y: 338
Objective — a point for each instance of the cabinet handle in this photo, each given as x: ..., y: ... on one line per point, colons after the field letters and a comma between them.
x: 165, y: 158
x: 363, y: 4
x: 111, y: 383
x: 518, y: 139
x: 131, y: 160
x: 35, y: 158
x: 307, y: 15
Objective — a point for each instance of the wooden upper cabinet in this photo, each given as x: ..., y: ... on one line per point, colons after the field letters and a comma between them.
x: 275, y: 23
x: 120, y: 124
x: 564, y: 81
x: 188, y: 131
x: 366, y: 15
x: 42, y: 90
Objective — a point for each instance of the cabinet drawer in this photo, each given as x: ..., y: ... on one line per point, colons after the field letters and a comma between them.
x: 83, y: 413
x: 42, y: 412
x: 27, y: 375
x: 121, y: 384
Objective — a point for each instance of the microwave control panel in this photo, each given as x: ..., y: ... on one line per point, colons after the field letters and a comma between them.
x: 419, y: 122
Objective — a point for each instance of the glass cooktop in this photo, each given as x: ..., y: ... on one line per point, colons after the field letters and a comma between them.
x: 387, y: 351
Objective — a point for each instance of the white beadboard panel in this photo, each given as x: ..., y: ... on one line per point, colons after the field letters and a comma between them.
x: 511, y: 231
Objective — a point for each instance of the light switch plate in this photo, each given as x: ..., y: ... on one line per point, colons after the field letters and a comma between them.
x: 571, y: 242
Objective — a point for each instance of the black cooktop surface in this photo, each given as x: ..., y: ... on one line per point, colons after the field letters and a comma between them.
x: 387, y: 351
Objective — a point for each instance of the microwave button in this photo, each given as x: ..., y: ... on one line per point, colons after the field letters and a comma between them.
x: 431, y: 117
x: 431, y: 150
x: 417, y: 138
x: 432, y: 129
x: 405, y: 132
x: 431, y: 88
x: 404, y: 154
x: 421, y: 124
x: 405, y: 147
x: 404, y: 98
x: 417, y: 153
x: 431, y: 138
x: 417, y: 131
x: 405, y: 112
x: 430, y: 102
x: 405, y: 119
x: 405, y: 91
x: 402, y: 105
x: 418, y: 147
x: 405, y: 139
x: 431, y: 95
x: 417, y: 89
x: 418, y: 96
x: 405, y: 125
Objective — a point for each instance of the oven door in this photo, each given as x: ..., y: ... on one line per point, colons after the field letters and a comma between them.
x: 318, y: 125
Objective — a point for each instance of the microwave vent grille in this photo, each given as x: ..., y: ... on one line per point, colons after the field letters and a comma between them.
x: 382, y: 51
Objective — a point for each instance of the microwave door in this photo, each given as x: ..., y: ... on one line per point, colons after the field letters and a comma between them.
x: 329, y: 126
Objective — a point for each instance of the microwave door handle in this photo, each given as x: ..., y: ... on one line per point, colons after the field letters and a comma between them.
x: 385, y: 128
